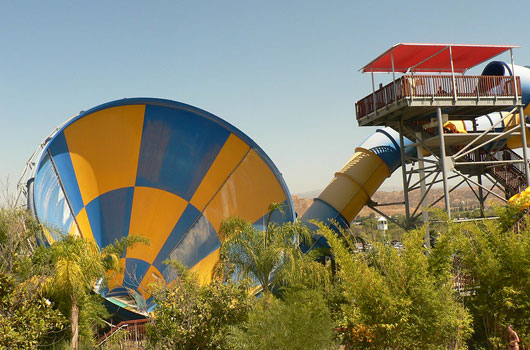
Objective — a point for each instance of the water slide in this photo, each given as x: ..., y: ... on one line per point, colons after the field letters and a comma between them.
x: 173, y: 172
x: 380, y: 155
x: 158, y: 168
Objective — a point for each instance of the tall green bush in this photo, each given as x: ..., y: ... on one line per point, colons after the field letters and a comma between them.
x: 398, y: 299
x: 495, y: 258
x: 190, y: 316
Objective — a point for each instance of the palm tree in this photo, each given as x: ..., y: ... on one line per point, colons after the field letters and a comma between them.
x: 262, y: 255
x: 78, y: 264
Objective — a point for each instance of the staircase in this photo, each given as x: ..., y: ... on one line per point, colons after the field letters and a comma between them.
x: 511, y: 176
x: 127, y: 335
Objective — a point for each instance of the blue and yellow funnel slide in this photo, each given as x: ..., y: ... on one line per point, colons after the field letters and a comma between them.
x: 162, y: 169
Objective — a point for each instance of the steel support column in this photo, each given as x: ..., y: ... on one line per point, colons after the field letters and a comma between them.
x: 443, y: 161
x: 522, y: 121
x: 481, y: 196
x: 423, y: 187
x: 404, y: 172
x: 479, y: 178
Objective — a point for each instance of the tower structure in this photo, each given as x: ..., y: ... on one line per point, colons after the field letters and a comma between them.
x: 464, y: 127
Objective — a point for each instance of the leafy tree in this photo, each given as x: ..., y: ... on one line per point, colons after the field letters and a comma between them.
x: 26, y: 317
x: 398, y: 300
x: 77, y: 265
x: 18, y: 232
x: 193, y: 316
x: 261, y: 255
x: 496, y: 260
x: 300, y: 320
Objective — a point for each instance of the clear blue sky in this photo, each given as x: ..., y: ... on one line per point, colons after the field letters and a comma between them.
x: 284, y: 72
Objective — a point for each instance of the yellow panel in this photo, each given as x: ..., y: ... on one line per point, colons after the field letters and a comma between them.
x: 247, y: 193
x: 74, y: 231
x: 115, y: 278
x: 355, y: 204
x: 152, y: 277
x: 47, y: 234
x: 154, y: 214
x: 205, y: 267
x: 226, y: 161
x: 515, y: 141
x: 349, y: 191
x: 84, y: 226
x: 104, y: 147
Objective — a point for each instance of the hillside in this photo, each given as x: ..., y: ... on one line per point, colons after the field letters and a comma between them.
x: 460, y: 198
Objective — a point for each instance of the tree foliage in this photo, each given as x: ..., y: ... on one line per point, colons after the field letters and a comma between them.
x: 496, y: 260
x: 397, y: 300
x: 193, y: 316
x: 18, y: 232
x: 26, y: 317
x: 261, y: 255
x: 77, y: 265
x: 300, y: 320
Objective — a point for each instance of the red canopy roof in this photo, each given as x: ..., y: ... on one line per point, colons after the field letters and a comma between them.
x: 433, y: 57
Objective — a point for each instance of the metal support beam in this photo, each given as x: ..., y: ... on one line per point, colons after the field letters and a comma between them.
x: 452, y: 73
x: 373, y: 93
x: 422, y: 200
x: 522, y: 121
x: 388, y: 217
x: 495, y: 184
x: 501, y: 135
x: 451, y: 190
x: 480, y: 195
x: 476, y: 184
x: 484, y: 133
x: 514, y: 78
x: 443, y: 160
x: 404, y: 171
x: 420, y: 141
x: 394, y: 77
x: 424, y: 213
x: 491, y: 162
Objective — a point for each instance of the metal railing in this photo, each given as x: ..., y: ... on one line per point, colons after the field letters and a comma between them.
x: 510, y: 175
x: 438, y: 86
x: 131, y: 332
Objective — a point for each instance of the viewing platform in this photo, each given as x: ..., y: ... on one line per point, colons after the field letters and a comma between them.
x: 433, y: 77
x: 448, y: 117
x: 465, y: 97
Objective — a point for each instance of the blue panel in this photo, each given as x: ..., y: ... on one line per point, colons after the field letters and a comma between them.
x: 500, y: 68
x: 135, y: 270
x: 63, y: 162
x: 198, y: 243
x: 178, y: 147
x: 110, y: 215
x: 322, y: 211
x: 277, y: 217
x: 187, y: 219
x: 385, y: 144
x: 150, y: 304
x: 50, y: 203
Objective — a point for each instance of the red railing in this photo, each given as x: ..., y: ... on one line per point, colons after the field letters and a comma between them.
x: 438, y: 86
x: 511, y: 176
x: 134, y: 331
